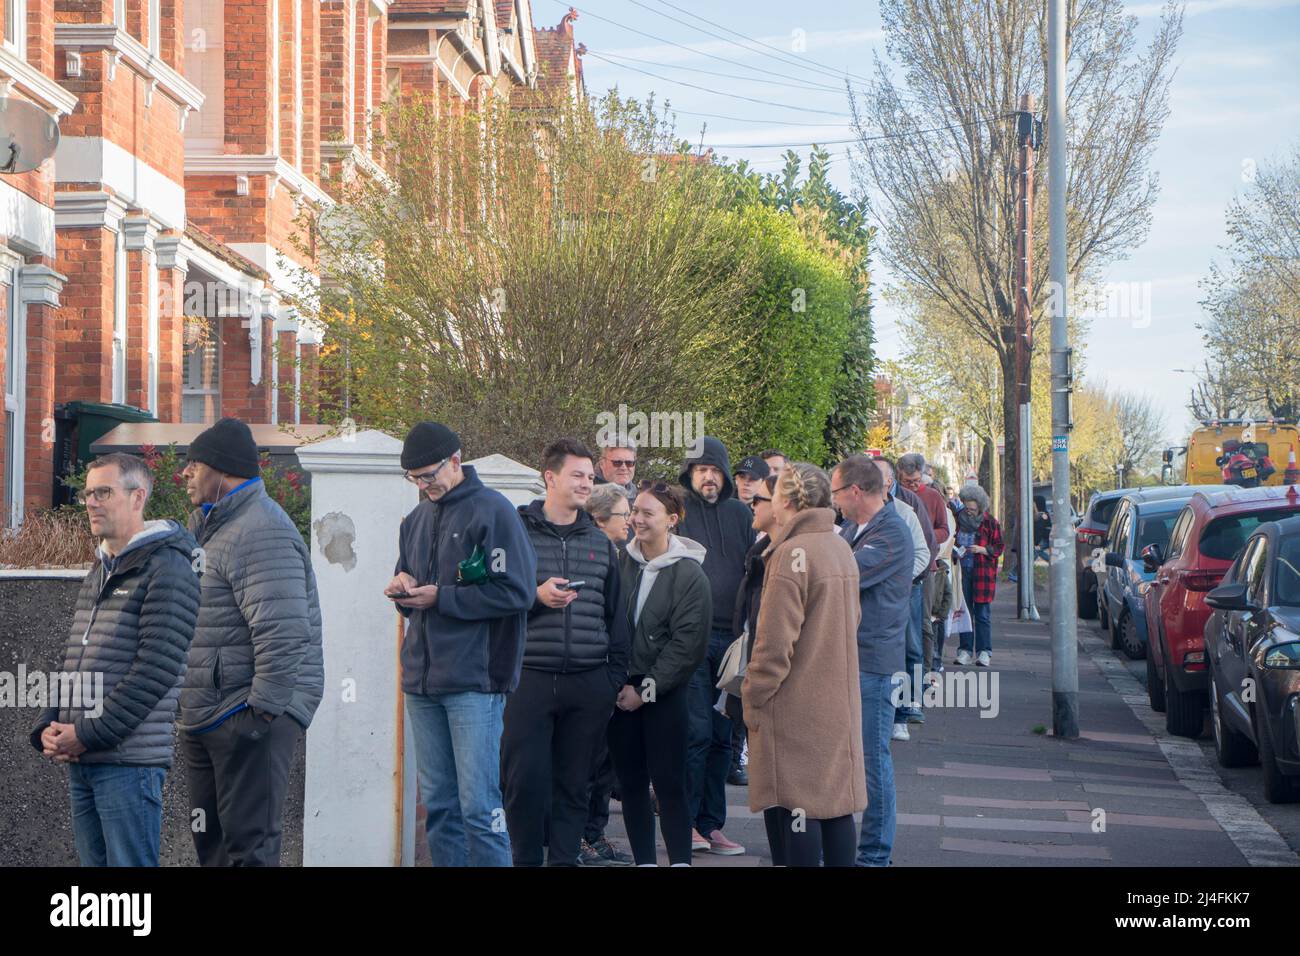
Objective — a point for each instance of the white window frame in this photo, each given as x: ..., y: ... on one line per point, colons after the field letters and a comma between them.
x: 215, y: 390
x: 154, y: 26
x: 119, y: 318
x: 15, y: 402
x: 297, y: 83
x: 152, y: 266
x: 16, y: 24
x: 119, y: 13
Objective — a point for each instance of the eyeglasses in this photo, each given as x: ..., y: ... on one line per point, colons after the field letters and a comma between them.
x: 98, y: 495
x: 836, y: 491
x: 622, y: 462
x: 758, y: 498
x: 428, y: 477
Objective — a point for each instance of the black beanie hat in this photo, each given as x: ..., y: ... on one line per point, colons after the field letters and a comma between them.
x: 427, y: 443
x: 227, y: 446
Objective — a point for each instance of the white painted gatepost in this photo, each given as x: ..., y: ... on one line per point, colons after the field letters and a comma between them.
x: 359, y: 808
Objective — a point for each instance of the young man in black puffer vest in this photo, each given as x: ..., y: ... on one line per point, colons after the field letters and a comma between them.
x: 575, y: 663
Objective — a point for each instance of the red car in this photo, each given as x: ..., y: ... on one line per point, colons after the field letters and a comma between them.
x: 1211, y: 529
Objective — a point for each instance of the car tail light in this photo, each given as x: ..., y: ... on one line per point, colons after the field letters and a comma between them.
x: 1201, y: 580
x: 1091, y: 538
x: 1194, y: 661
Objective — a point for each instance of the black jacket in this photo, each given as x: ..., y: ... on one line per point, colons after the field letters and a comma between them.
x: 671, y: 636
x: 750, y: 595
x: 589, y: 632
x: 133, y: 624
x: 725, y: 528
x: 473, y: 638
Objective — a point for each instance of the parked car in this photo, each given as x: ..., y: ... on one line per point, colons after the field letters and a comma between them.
x: 1089, y: 536
x: 1141, y: 518
x: 1210, y: 531
x: 1252, y: 644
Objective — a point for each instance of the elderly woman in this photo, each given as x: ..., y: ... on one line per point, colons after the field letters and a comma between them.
x: 801, y: 692
x: 610, y: 509
x: 979, y: 545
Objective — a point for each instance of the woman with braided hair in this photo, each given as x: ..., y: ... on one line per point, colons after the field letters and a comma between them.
x: 801, y: 694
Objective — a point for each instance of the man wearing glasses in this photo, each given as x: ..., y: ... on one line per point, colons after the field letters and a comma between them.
x: 256, y: 670
x: 465, y: 579
x: 133, y: 625
x: 617, y: 466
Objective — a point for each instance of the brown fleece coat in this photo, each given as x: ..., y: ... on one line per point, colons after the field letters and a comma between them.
x: 803, y: 705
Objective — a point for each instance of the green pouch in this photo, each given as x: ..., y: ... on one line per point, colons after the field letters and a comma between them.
x: 473, y: 570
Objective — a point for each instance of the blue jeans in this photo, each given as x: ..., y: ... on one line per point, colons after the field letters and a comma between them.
x: 458, y: 760
x: 708, y: 751
x: 981, y: 639
x: 880, y: 819
x: 914, y: 650
x: 116, y: 813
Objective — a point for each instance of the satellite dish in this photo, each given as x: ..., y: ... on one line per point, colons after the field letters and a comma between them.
x: 28, y: 136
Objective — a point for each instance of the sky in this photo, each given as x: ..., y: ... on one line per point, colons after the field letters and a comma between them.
x: 1234, y: 105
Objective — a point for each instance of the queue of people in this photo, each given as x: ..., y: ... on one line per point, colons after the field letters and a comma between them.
x: 640, y: 641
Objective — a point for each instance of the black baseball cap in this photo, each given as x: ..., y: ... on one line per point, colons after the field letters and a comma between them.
x: 754, y: 466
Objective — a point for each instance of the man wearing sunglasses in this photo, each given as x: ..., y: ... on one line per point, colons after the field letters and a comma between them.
x: 465, y: 579
x: 617, y: 466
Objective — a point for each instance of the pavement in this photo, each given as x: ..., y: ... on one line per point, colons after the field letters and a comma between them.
x: 1003, y: 791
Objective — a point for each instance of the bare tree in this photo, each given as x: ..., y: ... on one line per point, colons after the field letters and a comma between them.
x: 1253, y: 300
x: 1141, y: 431
x: 943, y: 181
x: 1218, y: 394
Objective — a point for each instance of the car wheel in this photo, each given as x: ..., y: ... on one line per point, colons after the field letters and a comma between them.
x: 1155, y: 687
x: 1087, y: 596
x: 1128, y: 638
x: 1232, y: 748
x: 1184, y: 710
x: 1278, y: 787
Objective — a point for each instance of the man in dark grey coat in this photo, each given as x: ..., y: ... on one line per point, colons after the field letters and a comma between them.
x: 256, y: 672
x: 132, y: 627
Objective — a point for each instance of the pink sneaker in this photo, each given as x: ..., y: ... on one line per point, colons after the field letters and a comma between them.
x: 719, y: 844
x: 698, y: 843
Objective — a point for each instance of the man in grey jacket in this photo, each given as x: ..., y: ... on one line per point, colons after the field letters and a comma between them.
x: 133, y: 625
x: 256, y: 672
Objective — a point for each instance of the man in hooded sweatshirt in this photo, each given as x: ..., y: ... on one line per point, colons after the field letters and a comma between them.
x: 575, y: 663
x: 724, y: 525
x: 134, y: 622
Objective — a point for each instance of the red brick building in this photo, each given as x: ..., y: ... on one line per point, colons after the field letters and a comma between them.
x: 152, y: 260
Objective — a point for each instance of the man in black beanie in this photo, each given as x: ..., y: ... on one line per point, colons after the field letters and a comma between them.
x: 256, y: 673
x: 465, y: 580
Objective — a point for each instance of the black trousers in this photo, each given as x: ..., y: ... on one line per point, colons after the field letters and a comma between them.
x: 602, y: 788
x: 807, y: 844
x: 238, y: 779
x: 649, y: 746
x: 553, y: 726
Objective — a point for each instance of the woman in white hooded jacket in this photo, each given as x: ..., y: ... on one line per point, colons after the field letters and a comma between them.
x: 669, y: 607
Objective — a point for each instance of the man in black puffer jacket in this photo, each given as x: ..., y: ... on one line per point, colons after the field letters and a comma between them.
x: 256, y: 671
x: 575, y: 663
x: 133, y: 625
x: 724, y: 525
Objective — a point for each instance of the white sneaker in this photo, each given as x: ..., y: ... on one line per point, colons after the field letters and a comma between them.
x: 900, y: 732
x: 983, y: 659
x: 963, y: 658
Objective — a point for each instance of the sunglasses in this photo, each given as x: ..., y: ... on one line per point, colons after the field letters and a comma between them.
x: 758, y: 498
x: 622, y: 462
x: 657, y: 487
